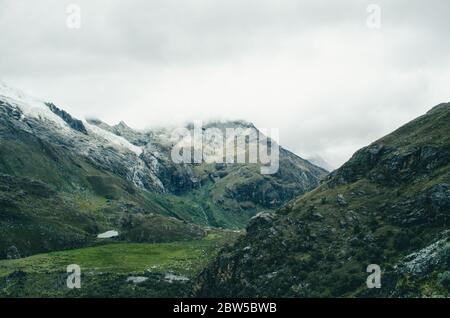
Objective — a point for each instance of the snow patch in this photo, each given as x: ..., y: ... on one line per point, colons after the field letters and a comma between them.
x: 136, y: 279
x: 115, y: 140
x: 29, y: 106
x: 108, y: 234
x: 170, y: 278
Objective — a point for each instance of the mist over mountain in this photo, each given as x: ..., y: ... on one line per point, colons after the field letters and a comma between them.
x: 253, y: 150
x: 84, y: 187
x: 85, y: 177
x: 314, y: 69
x: 319, y: 161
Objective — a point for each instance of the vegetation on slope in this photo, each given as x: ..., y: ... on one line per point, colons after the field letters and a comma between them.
x: 388, y: 205
x: 56, y: 196
x: 166, y: 269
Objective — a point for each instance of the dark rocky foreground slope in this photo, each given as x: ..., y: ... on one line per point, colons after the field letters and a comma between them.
x: 388, y: 205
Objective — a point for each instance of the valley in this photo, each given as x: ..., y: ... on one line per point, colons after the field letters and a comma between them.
x: 66, y: 184
x: 115, y: 269
x: 110, y: 200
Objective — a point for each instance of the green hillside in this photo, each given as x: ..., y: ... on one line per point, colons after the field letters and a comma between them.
x: 52, y: 199
x: 59, y: 190
x: 166, y: 268
x: 388, y: 205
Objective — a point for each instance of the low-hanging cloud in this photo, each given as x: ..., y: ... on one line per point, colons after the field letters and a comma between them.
x: 311, y: 68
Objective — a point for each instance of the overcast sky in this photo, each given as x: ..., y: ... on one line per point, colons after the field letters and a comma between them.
x: 313, y: 69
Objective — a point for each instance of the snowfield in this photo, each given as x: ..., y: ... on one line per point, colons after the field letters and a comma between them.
x: 106, y: 149
x: 119, y: 142
x: 33, y: 107
x: 29, y: 105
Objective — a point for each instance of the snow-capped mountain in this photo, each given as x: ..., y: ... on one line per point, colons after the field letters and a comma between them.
x: 144, y: 158
x: 107, y: 150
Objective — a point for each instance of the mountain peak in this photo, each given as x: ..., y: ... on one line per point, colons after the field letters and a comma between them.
x: 229, y: 124
x: 30, y: 106
x: 122, y: 124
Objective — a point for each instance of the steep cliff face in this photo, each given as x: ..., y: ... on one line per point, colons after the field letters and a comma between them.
x: 388, y: 205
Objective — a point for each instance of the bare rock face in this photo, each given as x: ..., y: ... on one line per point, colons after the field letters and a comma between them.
x: 426, y: 259
x: 72, y: 122
x: 430, y: 206
x: 262, y: 219
x: 429, y: 264
x: 341, y: 200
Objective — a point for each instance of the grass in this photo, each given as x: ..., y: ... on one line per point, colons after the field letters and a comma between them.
x: 185, y: 258
x: 105, y: 269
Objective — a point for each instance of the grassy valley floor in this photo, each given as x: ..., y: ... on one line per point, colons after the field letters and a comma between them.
x: 115, y: 269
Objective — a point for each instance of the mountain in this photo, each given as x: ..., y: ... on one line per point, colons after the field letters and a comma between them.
x: 388, y: 205
x: 320, y: 162
x: 63, y: 181
x: 228, y: 194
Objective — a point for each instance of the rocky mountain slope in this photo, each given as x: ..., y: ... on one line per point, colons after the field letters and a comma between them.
x: 65, y: 180
x: 227, y: 194
x: 388, y: 205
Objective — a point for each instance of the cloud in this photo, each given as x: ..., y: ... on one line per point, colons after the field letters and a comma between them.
x: 311, y: 68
